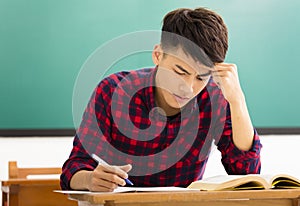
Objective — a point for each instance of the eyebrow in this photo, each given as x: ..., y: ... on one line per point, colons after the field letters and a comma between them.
x: 182, y: 69
x: 185, y: 71
x: 205, y: 74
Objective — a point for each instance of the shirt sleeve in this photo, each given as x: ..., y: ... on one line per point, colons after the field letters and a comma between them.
x: 88, y: 136
x: 234, y: 160
x: 79, y: 159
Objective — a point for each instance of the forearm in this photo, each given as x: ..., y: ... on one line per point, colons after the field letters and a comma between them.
x: 226, y: 77
x: 79, y: 180
x: 242, y: 129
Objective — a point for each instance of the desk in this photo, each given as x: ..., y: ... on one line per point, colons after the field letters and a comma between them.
x: 33, y: 192
x: 288, y: 197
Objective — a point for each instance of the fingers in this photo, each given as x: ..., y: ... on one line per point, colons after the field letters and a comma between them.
x: 223, y: 64
x: 225, y: 75
x: 223, y: 68
x: 223, y: 71
x: 112, y: 177
x: 107, y: 177
x: 126, y: 168
x: 102, y: 185
x: 118, y: 170
x: 112, y: 174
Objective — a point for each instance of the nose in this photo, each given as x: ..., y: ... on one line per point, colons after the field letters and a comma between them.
x: 186, y: 88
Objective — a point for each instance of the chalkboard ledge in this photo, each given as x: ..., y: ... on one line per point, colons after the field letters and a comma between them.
x: 36, y: 132
x: 71, y: 132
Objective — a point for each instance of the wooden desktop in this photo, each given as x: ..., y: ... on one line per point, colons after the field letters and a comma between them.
x: 286, y: 197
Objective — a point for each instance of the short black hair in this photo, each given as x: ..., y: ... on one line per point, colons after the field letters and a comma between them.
x: 201, y: 32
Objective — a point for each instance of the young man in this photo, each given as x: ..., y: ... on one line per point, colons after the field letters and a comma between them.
x: 159, y: 123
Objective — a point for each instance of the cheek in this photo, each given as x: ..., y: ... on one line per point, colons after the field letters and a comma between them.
x: 199, y: 87
x: 168, y: 81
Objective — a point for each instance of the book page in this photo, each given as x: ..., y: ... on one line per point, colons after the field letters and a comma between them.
x: 281, y: 180
x: 219, y: 179
x: 285, y: 181
x: 230, y: 182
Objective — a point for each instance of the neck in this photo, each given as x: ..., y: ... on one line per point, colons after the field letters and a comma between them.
x: 160, y: 102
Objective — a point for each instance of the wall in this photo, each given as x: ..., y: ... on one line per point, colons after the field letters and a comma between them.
x: 44, y: 44
x: 280, y: 154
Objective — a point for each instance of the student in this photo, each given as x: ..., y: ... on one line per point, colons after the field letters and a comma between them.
x: 200, y: 100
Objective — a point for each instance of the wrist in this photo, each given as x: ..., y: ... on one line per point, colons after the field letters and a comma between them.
x: 237, y: 101
x: 81, y: 180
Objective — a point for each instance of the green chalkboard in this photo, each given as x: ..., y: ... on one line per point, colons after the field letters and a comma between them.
x: 45, y: 43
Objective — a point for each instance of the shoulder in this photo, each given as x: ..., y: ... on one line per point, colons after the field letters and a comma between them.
x: 125, y: 80
x: 127, y: 77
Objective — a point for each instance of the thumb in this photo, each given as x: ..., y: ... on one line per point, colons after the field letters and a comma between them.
x: 126, y: 168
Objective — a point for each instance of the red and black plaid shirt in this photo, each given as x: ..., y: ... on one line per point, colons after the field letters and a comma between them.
x: 121, y: 126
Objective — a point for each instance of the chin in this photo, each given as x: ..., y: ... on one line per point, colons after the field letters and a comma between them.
x: 176, y: 105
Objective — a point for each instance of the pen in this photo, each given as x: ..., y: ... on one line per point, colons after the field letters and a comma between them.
x: 101, y: 161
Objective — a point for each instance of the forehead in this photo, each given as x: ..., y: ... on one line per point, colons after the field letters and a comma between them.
x: 179, y: 57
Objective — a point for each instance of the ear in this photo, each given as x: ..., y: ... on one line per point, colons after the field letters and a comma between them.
x: 157, y: 54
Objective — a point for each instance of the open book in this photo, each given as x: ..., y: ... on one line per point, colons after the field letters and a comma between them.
x: 244, y: 182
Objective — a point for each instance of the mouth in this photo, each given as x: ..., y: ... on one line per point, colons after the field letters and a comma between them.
x: 180, y: 99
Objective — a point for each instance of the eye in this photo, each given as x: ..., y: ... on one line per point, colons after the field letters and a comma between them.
x: 199, y: 78
x: 177, y: 72
x: 203, y: 77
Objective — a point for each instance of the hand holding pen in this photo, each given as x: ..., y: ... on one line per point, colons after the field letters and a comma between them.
x: 107, y: 177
